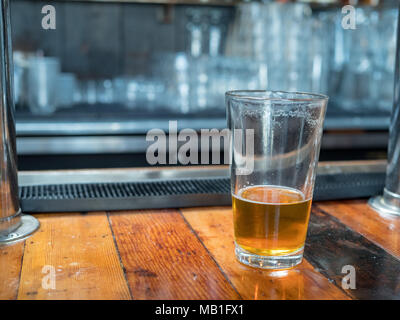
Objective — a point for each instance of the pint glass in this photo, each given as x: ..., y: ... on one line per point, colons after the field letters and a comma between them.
x: 275, y: 143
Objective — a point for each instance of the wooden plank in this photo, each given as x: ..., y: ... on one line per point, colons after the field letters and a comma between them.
x: 80, y: 250
x: 383, y: 230
x: 214, y: 227
x: 164, y: 259
x: 331, y: 245
x: 10, y: 268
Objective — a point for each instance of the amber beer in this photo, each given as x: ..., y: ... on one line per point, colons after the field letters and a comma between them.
x: 270, y: 220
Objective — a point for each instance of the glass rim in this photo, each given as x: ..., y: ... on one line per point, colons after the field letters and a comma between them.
x: 249, y: 95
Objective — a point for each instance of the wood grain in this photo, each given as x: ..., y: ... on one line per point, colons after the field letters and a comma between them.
x: 164, y: 259
x: 81, y: 250
x: 331, y: 245
x: 189, y: 254
x: 215, y: 228
x: 383, y: 230
x: 10, y: 268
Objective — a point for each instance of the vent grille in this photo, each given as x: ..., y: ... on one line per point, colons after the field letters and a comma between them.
x: 176, y: 193
x: 126, y: 190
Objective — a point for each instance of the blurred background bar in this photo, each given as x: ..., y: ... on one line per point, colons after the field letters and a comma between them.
x: 88, y: 92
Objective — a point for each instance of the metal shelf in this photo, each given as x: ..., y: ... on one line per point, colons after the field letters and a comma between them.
x: 312, y: 3
x: 120, y: 189
x: 165, y: 2
x: 141, y: 126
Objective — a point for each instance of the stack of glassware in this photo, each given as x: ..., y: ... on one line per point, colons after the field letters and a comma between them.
x: 312, y: 51
x: 274, y: 46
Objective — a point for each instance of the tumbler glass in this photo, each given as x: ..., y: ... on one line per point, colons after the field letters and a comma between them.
x: 43, y: 73
x: 66, y: 88
x: 275, y: 143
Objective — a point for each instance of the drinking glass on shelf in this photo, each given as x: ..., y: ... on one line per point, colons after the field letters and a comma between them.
x: 297, y: 19
x: 276, y: 35
x: 138, y: 92
x: 195, y: 32
x: 356, y: 91
x: 67, y: 91
x: 216, y: 33
x: 383, y: 57
x: 21, y: 65
x: 275, y: 142
x: 174, y: 72
x: 126, y: 91
x: 89, y: 92
x: 322, y: 46
x: 104, y: 91
x: 43, y: 73
x: 149, y: 92
x: 199, y: 78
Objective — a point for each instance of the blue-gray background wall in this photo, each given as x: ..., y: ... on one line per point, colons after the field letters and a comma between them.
x: 101, y: 40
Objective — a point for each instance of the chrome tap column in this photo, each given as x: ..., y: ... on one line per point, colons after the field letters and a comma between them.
x: 13, y: 225
x: 390, y: 201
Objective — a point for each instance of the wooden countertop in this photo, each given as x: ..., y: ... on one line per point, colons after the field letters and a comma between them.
x: 189, y: 254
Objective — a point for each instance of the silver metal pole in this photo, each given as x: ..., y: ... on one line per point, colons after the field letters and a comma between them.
x: 390, y: 201
x: 13, y: 225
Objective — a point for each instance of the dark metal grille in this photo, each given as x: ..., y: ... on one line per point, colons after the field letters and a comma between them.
x: 124, y: 190
x: 176, y: 193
